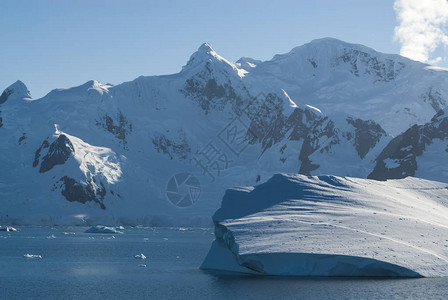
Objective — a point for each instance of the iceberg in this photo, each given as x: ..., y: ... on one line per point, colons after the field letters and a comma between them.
x: 102, y: 229
x: 296, y: 225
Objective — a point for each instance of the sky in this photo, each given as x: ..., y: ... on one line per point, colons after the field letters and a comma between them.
x: 51, y: 44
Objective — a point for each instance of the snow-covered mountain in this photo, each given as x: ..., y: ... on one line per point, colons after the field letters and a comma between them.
x: 339, y: 77
x: 161, y: 150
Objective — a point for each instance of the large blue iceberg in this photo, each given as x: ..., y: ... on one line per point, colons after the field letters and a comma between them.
x: 296, y: 225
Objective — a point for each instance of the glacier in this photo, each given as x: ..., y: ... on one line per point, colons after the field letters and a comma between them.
x: 296, y: 225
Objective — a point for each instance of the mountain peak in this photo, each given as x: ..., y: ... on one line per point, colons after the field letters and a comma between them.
x: 205, y: 48
x: 18, y: 89
x: 206, y: 54
x: 328, y: 40
x: 326, y: 47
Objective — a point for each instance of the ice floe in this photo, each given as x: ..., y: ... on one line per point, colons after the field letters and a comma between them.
x: 32, y: 256
x: 140, y: 256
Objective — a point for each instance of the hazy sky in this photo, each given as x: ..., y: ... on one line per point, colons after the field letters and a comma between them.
x: 61, y: 43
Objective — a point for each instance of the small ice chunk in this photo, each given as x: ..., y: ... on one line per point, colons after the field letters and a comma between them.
x: 51, y: 236
x: 32, y: 256
x: 142, y: 265
x: 140, y: 256
x: 102, y: 229
x: 7, y: 228
x: 68, y: 233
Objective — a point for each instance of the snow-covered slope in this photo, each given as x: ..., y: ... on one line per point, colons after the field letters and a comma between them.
x: 336, y: 76
x: 161, y: 150
x: 333, y: 226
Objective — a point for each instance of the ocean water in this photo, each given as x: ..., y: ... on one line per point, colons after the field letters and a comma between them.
x: 77, y: 265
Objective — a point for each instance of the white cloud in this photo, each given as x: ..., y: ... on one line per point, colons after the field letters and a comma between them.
x: 421, y: 28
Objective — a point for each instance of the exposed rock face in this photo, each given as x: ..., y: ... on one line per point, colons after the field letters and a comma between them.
x: 322, y: 136
x: 268, y: 122
x: 211, y: 95
x: 22, y: 138
x: 367, y: 135
x: 58, y: 153
x: 434, y: 98
x: 364, y: 63
x: 45, y: 145
x: 120, y: 128
x: 270, y: 125
x: 179, y: 149
x: 399, y: 157
x: 4, y: 96
x: 74, y: 191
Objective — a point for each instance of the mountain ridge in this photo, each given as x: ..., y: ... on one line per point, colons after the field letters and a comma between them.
x: 220, y: 123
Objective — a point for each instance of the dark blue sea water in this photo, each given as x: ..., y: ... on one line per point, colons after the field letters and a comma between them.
x: 77, y: 265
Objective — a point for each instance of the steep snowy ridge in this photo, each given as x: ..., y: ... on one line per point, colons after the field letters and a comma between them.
x: 333, y: 226
x: 90, y: 89
x: 116, y: 148
x: 17, y: 90
x: 340, y: 77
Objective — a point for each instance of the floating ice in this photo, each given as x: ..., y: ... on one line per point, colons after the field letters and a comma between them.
x: 140, y: 256
x: 7, y: 228
x: 102, y: 229
x: 32, y: 256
